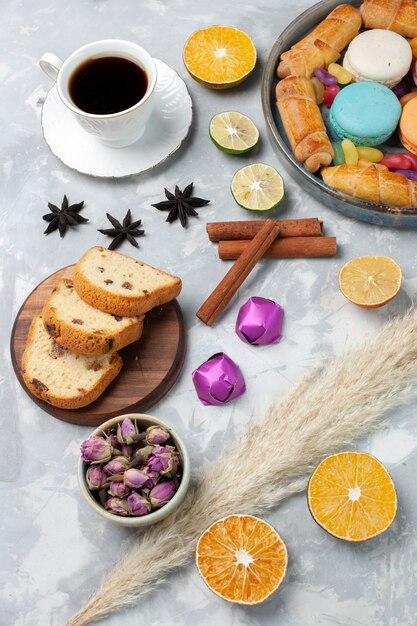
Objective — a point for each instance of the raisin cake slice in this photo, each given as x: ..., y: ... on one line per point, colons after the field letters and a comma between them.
x: 80, y: 327
x: 120, y: 285
x: 62, y: 377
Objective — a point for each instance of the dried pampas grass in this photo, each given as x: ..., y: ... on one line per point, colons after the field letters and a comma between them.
x: 333, y: 405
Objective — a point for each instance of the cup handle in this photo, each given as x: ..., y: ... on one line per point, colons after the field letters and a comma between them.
x: 50, y: 64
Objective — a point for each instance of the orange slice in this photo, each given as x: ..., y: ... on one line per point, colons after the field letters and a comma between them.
x: 242, y: 559
x: 352, y: 496
x: 370, y: 281
x: 219, y: 56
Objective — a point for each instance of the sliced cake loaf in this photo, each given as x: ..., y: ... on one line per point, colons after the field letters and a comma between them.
x: 120, y: 285
x: 80, y: 327
x: 62, y: 377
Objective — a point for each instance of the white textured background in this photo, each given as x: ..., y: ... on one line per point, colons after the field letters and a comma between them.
x: 54, y: 551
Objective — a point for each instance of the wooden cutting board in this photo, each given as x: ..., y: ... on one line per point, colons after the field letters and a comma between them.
x: 150, y: 365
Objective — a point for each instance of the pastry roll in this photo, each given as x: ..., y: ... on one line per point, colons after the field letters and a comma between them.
x: 372, y: 182
x: 323, y: 45
x: 303, y: 122
x: 397, y: 15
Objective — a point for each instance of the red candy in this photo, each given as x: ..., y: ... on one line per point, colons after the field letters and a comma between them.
x: 397, y: 161
x: 330, y: 94
x: 413, y: 159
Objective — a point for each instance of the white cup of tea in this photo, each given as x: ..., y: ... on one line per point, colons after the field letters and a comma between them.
x: 99, y: 78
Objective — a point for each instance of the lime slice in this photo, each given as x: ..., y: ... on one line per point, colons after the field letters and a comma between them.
x: 257, y: 187
x: 233, y: 132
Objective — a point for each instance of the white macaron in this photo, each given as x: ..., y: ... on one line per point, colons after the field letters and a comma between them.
x: 378, y: 55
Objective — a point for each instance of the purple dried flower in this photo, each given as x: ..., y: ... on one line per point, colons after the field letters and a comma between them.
x: 118, y: 506
x: 164, y: 460
x: 156, y: 435
x: 95, y: 477
x: 141, y: 454
x: 114, y: 442
x: 126, y: 450
x: 118, y: 489
x: 138, y: 505
x: 96, y: 450
x: 140, y: 479
x: 117, y: 465
x: 162, y: 493
x: 127, y: 431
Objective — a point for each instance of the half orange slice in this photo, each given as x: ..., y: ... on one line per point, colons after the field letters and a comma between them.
x: 242, y: 559
x: 219, y: 56
x: 352, y: 496
x: 370, y: 281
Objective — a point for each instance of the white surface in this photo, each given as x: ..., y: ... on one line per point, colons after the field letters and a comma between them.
x: 54, y: 551
x: 166, y: 129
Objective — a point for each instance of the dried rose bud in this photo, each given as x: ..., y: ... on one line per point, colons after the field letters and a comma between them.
x: 138, y: 505
x: 162, y: 493
x: 127, y: 432
x: 156, y: 435
x: 164, y: 460
x: 138, y: 479
x: 96, y: 449
x: 95, y: 477
x: 117, y: 489
x: 118, y: 506
x: 141, y: 454
x: 117, y: 465
x: 114, y: 442
x: 126, y: 450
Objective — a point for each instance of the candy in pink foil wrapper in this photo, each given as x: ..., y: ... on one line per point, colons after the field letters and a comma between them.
x: 218, y: 380
x: 259, y: 321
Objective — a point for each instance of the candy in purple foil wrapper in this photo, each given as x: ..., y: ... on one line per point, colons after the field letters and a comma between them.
x: 218, y: 380
x: 259, y: 321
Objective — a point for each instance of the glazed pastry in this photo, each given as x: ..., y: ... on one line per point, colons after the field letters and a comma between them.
x: 323, y: 45
x: 303, y: 122
x: 366, y: 113
x: 397, y: 15
x: 413, y: 44
x: 408, y: 126
x: 372, y: 182
x: 378, y: 55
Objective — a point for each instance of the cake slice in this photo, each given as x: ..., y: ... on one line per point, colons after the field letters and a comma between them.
x: 80, y: 327
x: 120, y: 285
x: 62, y: 377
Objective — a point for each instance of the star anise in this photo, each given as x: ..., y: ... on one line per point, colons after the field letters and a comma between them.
x: 128, y: 230
x: 64, y: 217
x: 181, y: 204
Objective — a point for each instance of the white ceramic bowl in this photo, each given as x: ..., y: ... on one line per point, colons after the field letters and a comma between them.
x: 143, y: 421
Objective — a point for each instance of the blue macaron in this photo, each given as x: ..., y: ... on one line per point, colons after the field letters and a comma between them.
x: 367, y: 113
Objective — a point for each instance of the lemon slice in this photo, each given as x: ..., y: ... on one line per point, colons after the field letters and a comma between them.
x: 257, y: 187
x: 233, y: 132
x: 370, y: 281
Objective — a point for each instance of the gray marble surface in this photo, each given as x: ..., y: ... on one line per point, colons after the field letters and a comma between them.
x: 54, y: 550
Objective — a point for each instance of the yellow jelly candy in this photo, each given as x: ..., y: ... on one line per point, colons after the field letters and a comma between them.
x: 370, y: 154
x: 351, y: 154
x: 318, y: 89
x: 343, y: 76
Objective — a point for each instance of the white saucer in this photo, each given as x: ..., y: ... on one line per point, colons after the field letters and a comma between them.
x: 164, y: 133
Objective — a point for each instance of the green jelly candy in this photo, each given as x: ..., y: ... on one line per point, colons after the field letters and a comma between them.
x: 339, y: 155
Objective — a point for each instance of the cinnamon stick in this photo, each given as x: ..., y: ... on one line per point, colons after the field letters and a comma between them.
x: 247, y: 229
x: 290, y: 247
x: 225, y: 290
